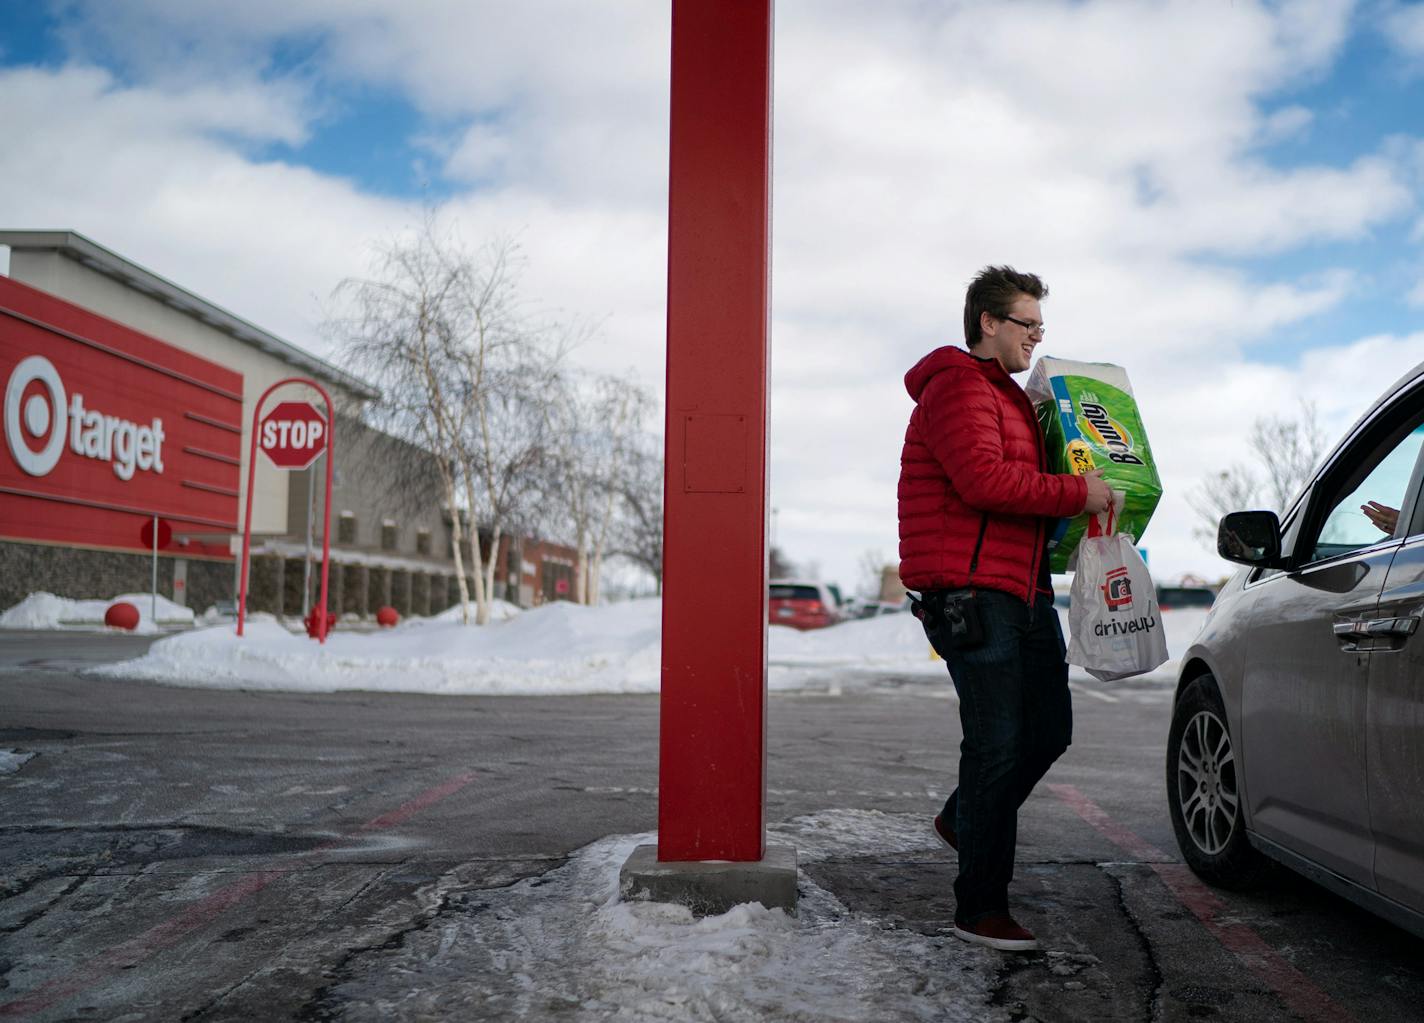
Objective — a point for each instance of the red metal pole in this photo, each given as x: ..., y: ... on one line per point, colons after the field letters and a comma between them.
x: 712, y: 766
x: 326, y: 514
x: 251, y: 476
x: 247, y: 514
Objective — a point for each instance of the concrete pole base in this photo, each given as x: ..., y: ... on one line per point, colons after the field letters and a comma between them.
x: 708, y: 887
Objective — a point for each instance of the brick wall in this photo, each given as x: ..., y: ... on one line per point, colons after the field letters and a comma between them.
x: 80, y: 574
x: 274, y: 582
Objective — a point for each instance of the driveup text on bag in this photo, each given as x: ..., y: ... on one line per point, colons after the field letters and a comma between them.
x: 1114, y: 623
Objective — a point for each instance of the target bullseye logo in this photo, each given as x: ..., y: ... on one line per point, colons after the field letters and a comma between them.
x: 31, y: 414
x: 34, y: 416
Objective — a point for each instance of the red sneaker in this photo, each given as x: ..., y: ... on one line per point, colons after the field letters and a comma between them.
x: 945, y: 833
x: 997, y: 930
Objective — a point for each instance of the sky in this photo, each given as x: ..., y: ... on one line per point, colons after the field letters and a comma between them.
x: 1224, y: 197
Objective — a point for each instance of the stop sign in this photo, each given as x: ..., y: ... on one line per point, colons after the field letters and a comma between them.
x: 292, y: 435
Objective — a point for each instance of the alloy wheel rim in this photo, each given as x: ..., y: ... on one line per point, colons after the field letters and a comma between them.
x: 1206, y: 782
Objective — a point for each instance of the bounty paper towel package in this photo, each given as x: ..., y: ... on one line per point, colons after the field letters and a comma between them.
x: 1090, y: 421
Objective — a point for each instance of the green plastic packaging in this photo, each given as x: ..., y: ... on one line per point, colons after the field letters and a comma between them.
x: 1090, y: 420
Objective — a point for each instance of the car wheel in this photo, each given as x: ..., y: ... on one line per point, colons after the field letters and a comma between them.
x: 1203, y: 793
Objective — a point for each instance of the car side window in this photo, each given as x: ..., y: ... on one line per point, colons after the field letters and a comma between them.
x: 1361, y: 508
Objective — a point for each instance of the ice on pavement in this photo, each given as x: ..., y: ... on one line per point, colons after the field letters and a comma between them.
x: 11, y: 760
x: 46, y: 611
x: 562, y: 946
x: 560, y: 648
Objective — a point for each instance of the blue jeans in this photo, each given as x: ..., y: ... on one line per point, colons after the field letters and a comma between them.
x: 1017, y: 719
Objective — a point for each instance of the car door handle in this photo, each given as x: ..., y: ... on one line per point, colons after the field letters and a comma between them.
x: 1366, y: 628
x: 1391, y: 626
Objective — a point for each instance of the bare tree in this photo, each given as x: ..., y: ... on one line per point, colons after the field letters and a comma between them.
x: 872, y: 569
x: 511, y: 446
x: 396, y: 334
x: 598, y: 420
x: 474, y: 380
x: 464, y: 373
x: 638, y: 525
x: 627, y: 404
x: 508, y: 374
x: 1285, y: 451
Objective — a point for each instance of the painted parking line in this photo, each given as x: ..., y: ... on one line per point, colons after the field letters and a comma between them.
x: 411, y: 807
x: 204, y: 911
x: 1293, y: 988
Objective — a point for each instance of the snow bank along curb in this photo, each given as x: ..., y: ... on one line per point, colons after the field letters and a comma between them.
x: 560, y: 648
x: 46, y: 611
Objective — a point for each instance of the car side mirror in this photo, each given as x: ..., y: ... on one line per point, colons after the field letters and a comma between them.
x: 1250, y: 538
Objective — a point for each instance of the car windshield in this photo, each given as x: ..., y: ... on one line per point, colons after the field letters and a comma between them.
x: 795, y: 593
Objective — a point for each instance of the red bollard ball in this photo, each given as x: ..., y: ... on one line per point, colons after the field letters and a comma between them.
x: 387, y: 616
x: 122, y: 615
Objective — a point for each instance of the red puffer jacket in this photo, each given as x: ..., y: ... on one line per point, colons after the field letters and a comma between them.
x: 972, y: 450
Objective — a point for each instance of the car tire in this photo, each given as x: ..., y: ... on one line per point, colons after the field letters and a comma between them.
x: 1203, y: 792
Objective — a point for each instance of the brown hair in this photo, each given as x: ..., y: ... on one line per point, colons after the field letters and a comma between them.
x: 992, y: 292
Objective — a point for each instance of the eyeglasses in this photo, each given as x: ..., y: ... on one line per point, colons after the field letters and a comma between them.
x: 1028, y: 325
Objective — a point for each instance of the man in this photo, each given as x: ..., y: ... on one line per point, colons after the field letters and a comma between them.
x: 976, y: 512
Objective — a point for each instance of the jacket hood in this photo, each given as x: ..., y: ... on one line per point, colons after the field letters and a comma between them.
x: 946, y: 358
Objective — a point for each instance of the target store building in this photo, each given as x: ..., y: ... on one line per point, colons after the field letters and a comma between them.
x: 128, y: 401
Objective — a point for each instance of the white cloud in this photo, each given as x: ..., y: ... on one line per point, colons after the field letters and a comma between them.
x: 1109, y: 146
x: 1286, y: 123
x: 244, y: 111
x: 156, y: 177
x: 485, y: 153
x: 569, y: 83
x: 1403, y: 28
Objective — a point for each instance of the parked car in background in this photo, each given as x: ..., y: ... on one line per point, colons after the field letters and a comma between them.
x: 876, y: 608
x: 1176, y: 598
x: 1298, y: 723
x: 801, y: 604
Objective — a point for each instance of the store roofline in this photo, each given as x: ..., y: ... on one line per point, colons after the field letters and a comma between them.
x: 95, y: 256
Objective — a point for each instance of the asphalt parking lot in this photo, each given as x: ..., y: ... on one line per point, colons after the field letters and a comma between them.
x: 176, y: 853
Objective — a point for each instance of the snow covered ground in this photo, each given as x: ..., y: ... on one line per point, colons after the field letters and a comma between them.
x: 46, y: 611
x: 560, y: 648
x: 562, y: 945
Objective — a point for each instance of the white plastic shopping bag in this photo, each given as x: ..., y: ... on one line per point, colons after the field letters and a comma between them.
x: 1114, y: 623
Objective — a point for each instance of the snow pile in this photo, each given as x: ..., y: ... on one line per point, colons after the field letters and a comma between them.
x: 562, y: 945
x: 11, y: 760
x: 881, y: 641
x: 560, y: 648
x: 500, y: 610
x: 46, y: 611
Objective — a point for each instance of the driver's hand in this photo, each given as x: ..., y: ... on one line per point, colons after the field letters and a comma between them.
x: 1383, y: 516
